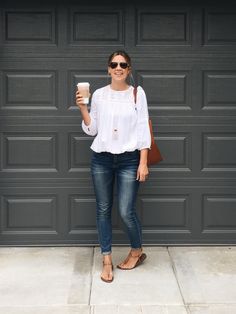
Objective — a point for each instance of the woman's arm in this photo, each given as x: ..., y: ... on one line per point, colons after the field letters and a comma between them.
x: 89, y: 120
x: 83, y: 108
x: 143, y: 156
x: 142, y: 171
x: 144, y: 137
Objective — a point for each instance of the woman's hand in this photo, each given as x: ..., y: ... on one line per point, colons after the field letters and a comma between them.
x: 80, y: 101
x: 142, y: 172
x: 83, y: 108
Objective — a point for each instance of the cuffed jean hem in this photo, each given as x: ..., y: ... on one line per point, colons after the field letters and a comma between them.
x: 106, y: 253
x: 136, y: 248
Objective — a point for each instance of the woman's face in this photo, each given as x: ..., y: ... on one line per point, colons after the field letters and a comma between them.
x: 118, y: 73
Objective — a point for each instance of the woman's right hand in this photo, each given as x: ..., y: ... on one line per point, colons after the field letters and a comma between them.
x: 80, y: 100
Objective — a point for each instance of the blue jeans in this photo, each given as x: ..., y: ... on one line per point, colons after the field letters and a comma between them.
x: 105, y: 167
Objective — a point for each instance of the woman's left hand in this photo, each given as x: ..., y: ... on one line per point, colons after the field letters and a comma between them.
x: 142, y: 172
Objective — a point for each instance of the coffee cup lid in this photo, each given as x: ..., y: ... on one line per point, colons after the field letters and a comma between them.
x: 83, y: 84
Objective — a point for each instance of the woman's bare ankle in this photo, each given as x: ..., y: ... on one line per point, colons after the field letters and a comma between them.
x: 136, y: 252
x: 107, y: 258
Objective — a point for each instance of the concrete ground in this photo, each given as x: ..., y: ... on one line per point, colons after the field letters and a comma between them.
x: 66, y: 280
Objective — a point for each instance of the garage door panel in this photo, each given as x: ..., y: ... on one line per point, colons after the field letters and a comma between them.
x: 219, y: 91
x: 166, y: 211
x: 29, y: 152
x: 96, y: 25
x: 168, y: 90
x: 81, y: 214
x: 79, y: 153
x: 30, y: 90
x: 219, y: 212
x: 220, y: 26
x: 29, y: 212
x: 177, y: 142
x: 160, y: 25
x: 219, y: 152
x: 25, y: 26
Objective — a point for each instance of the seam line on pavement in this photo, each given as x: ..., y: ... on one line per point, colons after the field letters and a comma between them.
x: 175, y: 273
x: 91, y: 280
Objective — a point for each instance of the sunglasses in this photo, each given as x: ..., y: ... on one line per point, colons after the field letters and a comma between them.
x: 123, y: 65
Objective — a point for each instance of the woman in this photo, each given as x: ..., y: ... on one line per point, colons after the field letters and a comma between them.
x: 119, y: 151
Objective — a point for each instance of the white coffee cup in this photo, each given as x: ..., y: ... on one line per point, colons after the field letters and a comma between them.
x: 83, y: 88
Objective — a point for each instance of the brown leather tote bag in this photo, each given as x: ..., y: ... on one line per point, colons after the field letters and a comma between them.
x: 154, y: 154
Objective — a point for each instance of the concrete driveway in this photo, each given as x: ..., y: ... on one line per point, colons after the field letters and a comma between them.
x: 66, y: 280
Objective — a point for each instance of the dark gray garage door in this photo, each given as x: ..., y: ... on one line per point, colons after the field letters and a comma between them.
x: 184, y: 55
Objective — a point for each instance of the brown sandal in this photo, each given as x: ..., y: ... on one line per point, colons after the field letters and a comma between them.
x: 141, y: 258
x: 107, y: 280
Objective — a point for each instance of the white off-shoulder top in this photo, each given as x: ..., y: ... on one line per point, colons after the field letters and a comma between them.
x: 119, y: 124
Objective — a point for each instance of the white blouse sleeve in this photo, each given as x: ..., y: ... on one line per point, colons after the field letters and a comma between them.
x: 144, y: 136
x: 91, y: 129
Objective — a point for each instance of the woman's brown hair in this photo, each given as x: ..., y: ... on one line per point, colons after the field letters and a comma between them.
x: 120, y: 53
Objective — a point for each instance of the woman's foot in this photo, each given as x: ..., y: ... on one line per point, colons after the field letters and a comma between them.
x: 107, y: 274
x: 134, y: 258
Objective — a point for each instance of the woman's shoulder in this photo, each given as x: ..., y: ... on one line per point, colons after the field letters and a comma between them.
x: 140, y: 89
x: 100, y: 90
